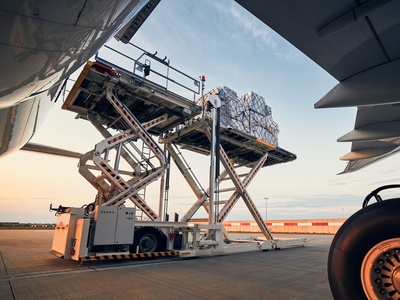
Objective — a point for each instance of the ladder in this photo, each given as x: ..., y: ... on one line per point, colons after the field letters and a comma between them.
x: 148, y: 162
x: 147, y: 167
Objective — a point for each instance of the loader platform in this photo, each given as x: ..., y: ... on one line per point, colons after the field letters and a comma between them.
x: 148, y: 101
x: 242, y: 148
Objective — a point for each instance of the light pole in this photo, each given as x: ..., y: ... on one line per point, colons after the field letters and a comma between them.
x: 266, y: 209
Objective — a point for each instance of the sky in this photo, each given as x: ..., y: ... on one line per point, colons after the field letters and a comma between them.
x: 221, y: 40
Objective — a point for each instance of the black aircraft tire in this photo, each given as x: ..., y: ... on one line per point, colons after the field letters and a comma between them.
x: 149, y: 240
x: 353, y: 244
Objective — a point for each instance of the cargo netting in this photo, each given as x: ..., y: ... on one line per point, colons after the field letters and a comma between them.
x: 248, y: 113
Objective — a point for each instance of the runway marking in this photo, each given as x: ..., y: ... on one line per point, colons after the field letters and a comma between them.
x: 4, y: 264
x: 87, y: 268
x: 316, y: 252
x: 9, y: 281
x: 40, y: 274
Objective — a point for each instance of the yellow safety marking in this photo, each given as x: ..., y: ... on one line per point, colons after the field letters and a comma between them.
x: 265, y: 143
x: 130, y: 256
x: 77, y: 84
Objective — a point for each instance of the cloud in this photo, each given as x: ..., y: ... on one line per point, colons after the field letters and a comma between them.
x: 247, y: 23
x: 251, y: 30
x: 253, y: 27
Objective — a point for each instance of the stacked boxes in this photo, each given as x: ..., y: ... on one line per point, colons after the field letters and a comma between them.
x: 247, y: 113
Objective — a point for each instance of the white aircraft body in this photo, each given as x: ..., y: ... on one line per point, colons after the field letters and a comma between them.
x: 42, y: 43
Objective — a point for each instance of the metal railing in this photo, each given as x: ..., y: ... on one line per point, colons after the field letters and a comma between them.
x: 144, y: 67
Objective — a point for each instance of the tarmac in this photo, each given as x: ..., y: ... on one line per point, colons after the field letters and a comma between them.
x: 29, y: 271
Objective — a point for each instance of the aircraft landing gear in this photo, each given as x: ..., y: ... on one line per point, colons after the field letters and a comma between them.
x: 364, y: 258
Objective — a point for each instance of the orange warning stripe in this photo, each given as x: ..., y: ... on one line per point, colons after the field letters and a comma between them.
x: 129, y: 256
x: 265, y: 143
x: 77, y: 85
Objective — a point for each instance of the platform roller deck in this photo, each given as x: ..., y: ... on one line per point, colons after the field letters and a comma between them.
x: 242, y: 148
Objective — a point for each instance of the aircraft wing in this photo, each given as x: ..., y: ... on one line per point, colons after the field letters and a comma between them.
x: 357, y: 42
x: 44, y: 149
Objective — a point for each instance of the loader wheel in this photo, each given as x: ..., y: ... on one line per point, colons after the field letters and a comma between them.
x: 149, y: 240
x: 364, y: 258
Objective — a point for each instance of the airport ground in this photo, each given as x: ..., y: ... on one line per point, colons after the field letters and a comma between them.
x: 29, y: 271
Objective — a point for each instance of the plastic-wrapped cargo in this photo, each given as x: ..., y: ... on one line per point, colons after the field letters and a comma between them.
x: 248, y: 113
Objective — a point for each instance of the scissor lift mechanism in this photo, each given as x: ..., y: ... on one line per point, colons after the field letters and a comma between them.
x: 129, y: 110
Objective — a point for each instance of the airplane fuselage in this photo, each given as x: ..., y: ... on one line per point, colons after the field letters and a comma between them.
x: 41, y: 44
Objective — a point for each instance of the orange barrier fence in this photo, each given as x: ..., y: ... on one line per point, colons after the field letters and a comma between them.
x: 318, y: 226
